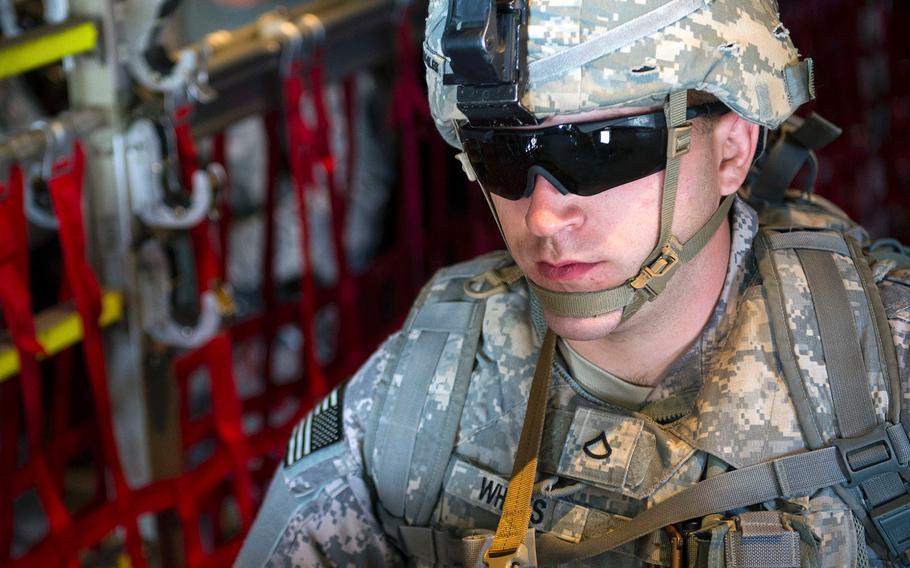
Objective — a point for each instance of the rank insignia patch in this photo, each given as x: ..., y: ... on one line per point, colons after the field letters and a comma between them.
x: 598, y: 447
x: 322, y: 427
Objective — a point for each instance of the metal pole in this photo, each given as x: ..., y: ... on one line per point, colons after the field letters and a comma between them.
x: 243, y: 65
x: 31, y: 145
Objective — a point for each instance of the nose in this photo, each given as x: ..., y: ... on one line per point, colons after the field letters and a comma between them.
x: 550, y: 212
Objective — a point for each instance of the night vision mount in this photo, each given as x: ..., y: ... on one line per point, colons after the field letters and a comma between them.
x: 485, y: 46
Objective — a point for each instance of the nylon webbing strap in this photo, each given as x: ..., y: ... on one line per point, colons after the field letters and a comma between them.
x: 583, y: 304
x: 675, y: 112
x: 678, y: 140
x: 405, y: 416
x: 790, y: 476
x: 843, y: 354
x: 693, y: 246
x: 687, y: 252
x: 809, y: 240
x: 516, y: 511
x: 588, y: 304
x: 613, y: 39
x: 847, y: 373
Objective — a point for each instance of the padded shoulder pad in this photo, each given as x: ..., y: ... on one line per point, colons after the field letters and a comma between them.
x: 414, y: 423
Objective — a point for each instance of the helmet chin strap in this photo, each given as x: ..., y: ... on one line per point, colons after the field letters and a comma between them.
x: 668, y: 254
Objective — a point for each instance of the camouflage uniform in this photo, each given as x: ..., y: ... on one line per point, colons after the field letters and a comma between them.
x: 723, y: 404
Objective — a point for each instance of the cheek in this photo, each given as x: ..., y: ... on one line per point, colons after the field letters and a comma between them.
x: 698, y: 195
x: 511, y: 216
x: 632, y: 213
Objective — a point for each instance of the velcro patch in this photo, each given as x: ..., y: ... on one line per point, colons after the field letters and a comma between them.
x: 323, y: 426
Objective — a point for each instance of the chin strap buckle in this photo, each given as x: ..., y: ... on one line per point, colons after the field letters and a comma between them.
x: 653, y: 278
x: 679, y: 140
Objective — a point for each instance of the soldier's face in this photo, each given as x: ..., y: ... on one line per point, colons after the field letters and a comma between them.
x: 575, y: 244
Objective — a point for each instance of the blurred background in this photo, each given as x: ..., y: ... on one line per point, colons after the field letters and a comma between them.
x: 212, y: 211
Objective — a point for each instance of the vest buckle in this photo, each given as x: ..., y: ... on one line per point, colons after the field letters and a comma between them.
x: 871, y: 454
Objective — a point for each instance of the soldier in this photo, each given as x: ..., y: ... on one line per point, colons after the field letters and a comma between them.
x: 655, y: 378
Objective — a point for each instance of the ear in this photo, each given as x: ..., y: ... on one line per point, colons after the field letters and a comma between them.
x: 734, y: 141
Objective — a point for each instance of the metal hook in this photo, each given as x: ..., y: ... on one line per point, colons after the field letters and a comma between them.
x: 9, y: 22
x: 275, y: 25
x: 198, y: 87
x: 144, y: 169
x: 143, y: 21
x: 38, y: 215
x: 55, y: 11
x: 313, y: 26
x: 158, y: 320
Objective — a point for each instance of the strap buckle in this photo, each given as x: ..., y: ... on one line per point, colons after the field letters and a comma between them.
x: 871, y: 454
x: 498, y: 279
x: 679, y: 140
x: 508, y: 560
x: 892, y: 520
x: 659, y: 269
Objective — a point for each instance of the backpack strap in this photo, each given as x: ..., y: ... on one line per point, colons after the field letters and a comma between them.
x: 836, y: 350
x: 415, y: 419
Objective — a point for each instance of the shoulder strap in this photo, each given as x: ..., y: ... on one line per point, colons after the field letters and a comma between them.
x: 414, y: 423
x: 836, y: 350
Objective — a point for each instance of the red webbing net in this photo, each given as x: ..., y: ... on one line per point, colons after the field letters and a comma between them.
x: 228, y: 463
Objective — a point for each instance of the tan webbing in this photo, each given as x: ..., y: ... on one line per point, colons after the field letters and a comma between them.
x: 589, y: 304
x: 516, y: 511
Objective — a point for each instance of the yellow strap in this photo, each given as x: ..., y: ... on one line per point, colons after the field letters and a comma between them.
x: 58, y: 328
x: 516, y: 511
x: 41, y: 47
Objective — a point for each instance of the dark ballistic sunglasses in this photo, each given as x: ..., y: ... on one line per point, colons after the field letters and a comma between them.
x: 580, y: 158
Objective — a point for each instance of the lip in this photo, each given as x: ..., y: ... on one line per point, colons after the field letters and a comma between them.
x: 564, y: 271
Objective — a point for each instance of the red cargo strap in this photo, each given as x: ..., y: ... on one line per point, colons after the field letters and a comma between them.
x: 207, y: 264
x: 226, y: 406
x: 15, y: 303
x: 15, y: 299
x: 65, y: 188
x: 14, y: 293
x: 223, y: 202
x: 301, y: 143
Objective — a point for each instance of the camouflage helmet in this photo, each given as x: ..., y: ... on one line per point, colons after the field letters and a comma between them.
x: 594, y: 54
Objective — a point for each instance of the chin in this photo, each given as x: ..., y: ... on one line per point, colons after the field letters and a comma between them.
x: 584, y: 329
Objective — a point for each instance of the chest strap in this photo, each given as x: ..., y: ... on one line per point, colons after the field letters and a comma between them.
x: 787, y: 477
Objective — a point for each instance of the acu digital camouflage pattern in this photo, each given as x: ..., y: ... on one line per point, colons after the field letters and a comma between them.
x: 740, y: 414
x: 738, y: 51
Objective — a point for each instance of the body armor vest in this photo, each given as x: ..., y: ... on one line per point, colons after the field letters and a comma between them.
x: 806, y: 363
